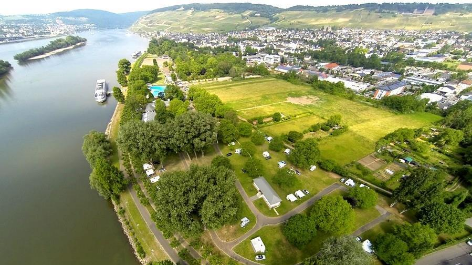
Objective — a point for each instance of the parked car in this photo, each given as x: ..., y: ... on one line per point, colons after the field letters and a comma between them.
x: 312, y: 168
x: 297, y: 172
x: 306, y: 192
x: 229, y: 154
x: 469, y: 242
x: 358, y: 238
x: 342, y: 180
x: 260, y: 257
x: 244, y: 221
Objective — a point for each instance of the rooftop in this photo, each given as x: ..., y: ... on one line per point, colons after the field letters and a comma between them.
x: 268, y: 192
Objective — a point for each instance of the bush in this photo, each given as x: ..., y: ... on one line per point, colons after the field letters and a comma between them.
x: 327, y: 165
x: 294, y: 136
x: 325, y: 127
x: 258, y: 138
x: 260, y: 120
x: 276, y: 144
x: 254, y: 168
x: 339, y: 131
x: 315, y: 127
x: 277, y: 117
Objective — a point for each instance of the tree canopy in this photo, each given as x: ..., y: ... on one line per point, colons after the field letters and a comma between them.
x: 221, y: 161
x: 305, y: 154
x: 189, y: 200
x: 344, y: 250
x: 332, y: 214
x: 364, y: 197
x: 95, y: 147
x: 392, y: 250
x: 107, y: 179
x: 285, y: 178
x: 277, y: 144
x: 254, y: 167
x: 443, y: 218
x: 299, y: 230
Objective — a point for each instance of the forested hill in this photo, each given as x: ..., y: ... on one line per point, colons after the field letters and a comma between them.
x: 101, y: 18
x: 200, y: 18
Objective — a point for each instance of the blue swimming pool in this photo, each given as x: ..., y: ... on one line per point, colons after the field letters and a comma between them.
x: 155, y: 90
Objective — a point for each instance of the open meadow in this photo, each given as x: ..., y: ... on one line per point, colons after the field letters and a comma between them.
x: 304, y: 106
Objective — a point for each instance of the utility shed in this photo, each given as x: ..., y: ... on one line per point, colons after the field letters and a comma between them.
x: 265, y: 191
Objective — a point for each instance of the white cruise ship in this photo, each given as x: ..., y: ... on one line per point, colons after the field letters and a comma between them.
x: 101, y: 91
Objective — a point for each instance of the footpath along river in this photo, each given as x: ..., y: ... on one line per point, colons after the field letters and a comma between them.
x: 49, y: 215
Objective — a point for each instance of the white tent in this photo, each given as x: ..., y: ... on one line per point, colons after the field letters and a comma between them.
x: 300, y: 194
x: 147, y: 166
x: 291, y: 198
x: 149, y: 172
x: 258, y: 245
x: 350, y: 183
x: 155, y: 179
x: 367, y: 246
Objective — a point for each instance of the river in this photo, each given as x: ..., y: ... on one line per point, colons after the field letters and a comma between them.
x: 49, y: 215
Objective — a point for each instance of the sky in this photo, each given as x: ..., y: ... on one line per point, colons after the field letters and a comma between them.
x: 16, y: 7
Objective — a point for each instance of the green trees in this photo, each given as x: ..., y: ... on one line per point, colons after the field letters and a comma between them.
x: 118, y: 95
x: 450, y: 137
x: 443, y: 218
x: 306, y: 153
x: 248, y: 149
x: 162, y: 114
x: 332, y: 214
x: 258, y: 138
x: 202, y: 196
x: 173, y: 91
x: 277, y: 144
x: 4, y: 67
x: 227, y: 132
x: 145, y: 73
x: 245, y: 129
x: 124, y: 66
x: 178, y: 107
x: 107, y: 179
x: 392, y: 250
x: 363, y: 197
x: 334, y: 120
x: 253, y: 167
x: 277, y: 117
x: 344, y: 250
x: 95, y: 147
x: 121, y: 77
x: 285, y: 178
x: 52, y: 46
x: 294, y: 136
x: 221, y: 161
x: 404, y: 104
x: 419, y: 238
x: 299, y: 230
x: 422, y: 187
x: 204, y: 101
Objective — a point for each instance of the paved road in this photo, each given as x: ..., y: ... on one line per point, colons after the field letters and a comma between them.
x: 384, y: 216
x: 147, y: 218
x: 457, y: 254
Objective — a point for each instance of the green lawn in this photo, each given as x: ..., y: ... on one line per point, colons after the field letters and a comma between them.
x: 152, y: 248
x: 367, y: 124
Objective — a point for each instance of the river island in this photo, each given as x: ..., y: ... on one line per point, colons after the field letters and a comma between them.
x: 54, y: 47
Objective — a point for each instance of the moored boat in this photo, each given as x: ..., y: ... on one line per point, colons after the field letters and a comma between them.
x: 101, y: 91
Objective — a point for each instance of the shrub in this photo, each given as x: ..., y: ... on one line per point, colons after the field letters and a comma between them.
x: 276, y: 144
x: 258, y: 138
x: 245, y: 129
x: 294, y: 136
x: 277, y: 117
x: 325, y: 127
x: 248, y: 149
x: 221, y: 161
x: 327, y: 165
x: 315, y: 127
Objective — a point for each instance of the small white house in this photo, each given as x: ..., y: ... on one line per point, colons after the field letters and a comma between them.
x: 350, y: 183
x: 299, y: 194
x: 258, y: 245
x: 287, y: 151
x: 155, y: 179
x: 149, y: 172
x: 282, y: 164
x: 291, y: 198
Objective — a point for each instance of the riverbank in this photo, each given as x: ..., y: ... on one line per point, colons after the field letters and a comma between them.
x: 42, y: 56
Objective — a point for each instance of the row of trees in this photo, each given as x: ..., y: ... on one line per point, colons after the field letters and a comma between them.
x: 52, y: 46
x: 105, y: 177
x: 5, y: 67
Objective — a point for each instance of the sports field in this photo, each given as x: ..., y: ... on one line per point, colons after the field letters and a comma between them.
x: 307, y: 106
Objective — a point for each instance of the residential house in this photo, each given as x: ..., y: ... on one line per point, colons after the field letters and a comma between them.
x: 390, y: 90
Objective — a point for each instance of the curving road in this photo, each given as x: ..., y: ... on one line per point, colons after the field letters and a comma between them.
x: 457, y: 254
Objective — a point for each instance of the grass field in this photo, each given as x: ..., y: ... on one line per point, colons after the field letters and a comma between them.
x: 234, y: 230
x: 220, y: 21
x: 367, y: 124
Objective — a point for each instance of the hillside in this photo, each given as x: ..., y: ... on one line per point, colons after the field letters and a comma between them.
x: 201, y: 18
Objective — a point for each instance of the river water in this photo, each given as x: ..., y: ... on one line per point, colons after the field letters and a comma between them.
x: 48, y: 213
